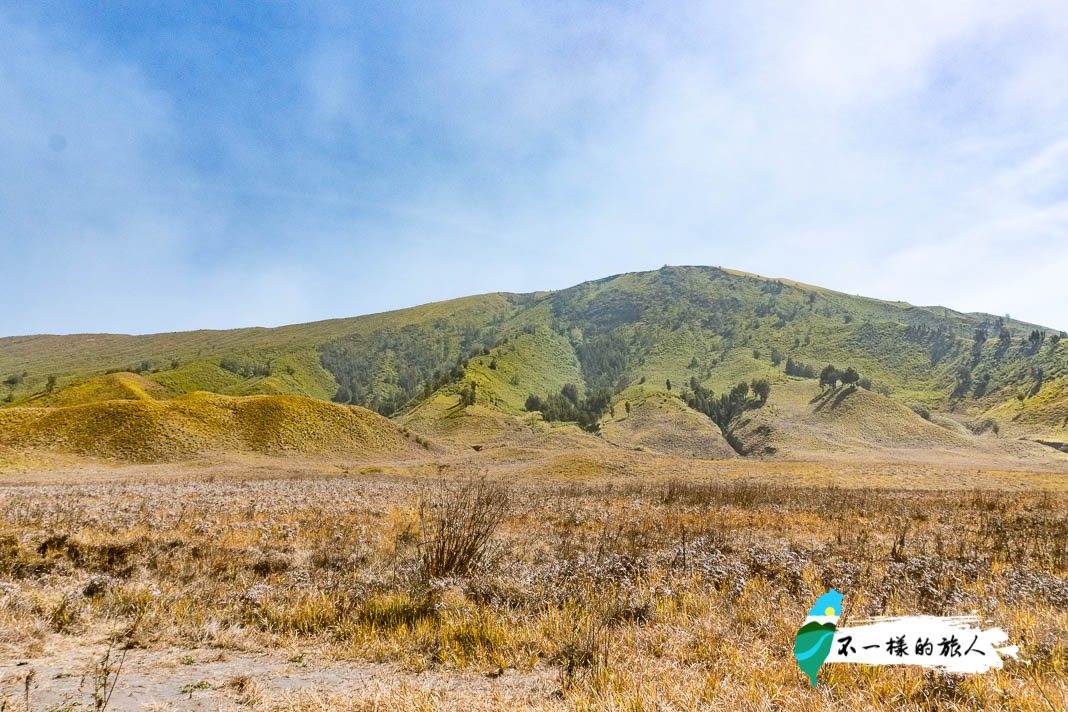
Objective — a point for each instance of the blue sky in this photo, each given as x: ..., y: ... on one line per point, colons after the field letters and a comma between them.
x: 168, y: 166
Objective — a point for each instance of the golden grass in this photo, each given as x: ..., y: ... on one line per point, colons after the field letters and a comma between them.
x: 601, y: 589
x: 112, y: 386
x: 202, y: 424
x: 662, y: 423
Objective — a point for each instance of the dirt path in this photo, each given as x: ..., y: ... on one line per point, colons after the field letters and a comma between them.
x: 211, y: 679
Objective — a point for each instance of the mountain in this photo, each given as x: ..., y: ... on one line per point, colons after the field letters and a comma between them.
x: 465, y: 368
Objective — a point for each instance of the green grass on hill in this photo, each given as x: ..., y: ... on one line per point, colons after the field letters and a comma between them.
x: 112, y: 386
x: 678, y: 323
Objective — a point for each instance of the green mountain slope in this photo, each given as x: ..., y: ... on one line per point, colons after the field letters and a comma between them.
x: 686, y: 325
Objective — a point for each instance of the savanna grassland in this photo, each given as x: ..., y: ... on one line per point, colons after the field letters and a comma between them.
x: 624, y: 495
x: 536, y: 581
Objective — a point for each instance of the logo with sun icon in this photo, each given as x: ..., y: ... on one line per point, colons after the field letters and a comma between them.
x: 814, y: 640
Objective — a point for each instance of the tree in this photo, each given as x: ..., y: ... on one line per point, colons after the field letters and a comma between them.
x: 1036, y: 339
x: 570, y: 391
x: 493, y: 364
x: 533, y: 403
x: 588, y: 421
x: 829, y: 376
x: 342, y: 395
x: 761, y: 389
x: 668, y: 384
x: 467, y: 395
x: 627, y: 405
x: 980, y: 335
x: 693, y: 362
x: 776, y: 357
x: 849, y: 377
x: 51, y: 384
x: 1004, y: 335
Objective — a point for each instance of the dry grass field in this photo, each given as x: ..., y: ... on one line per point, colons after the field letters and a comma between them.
x: 515, y: 581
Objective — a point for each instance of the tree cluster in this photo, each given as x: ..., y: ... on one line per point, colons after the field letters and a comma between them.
x: 467, y: 394
x: 245, y: 370
x: 386, y: 369
x: 604, y: 359
x: 801, y: 370
x: 727, y: 409
x: 566, y: 406
x: 831, y: 377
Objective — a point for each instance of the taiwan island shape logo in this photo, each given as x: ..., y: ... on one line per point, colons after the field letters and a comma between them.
x: 955, y: 644
x: 813, y: 642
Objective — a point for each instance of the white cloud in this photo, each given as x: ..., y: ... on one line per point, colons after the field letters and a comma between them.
x: 903, y: 150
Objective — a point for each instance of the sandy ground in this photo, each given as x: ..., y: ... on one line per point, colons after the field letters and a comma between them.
x: 209, y: 679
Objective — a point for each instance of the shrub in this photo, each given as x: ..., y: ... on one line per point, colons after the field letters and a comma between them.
x: 231, y: 365
x: 456, y: 524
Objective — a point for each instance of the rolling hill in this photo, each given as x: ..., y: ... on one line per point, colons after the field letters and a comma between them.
x: 464, y: 369
x: 111, y: 386
x: 202, y: 425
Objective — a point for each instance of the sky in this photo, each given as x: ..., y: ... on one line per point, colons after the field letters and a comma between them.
x: 177, y: 165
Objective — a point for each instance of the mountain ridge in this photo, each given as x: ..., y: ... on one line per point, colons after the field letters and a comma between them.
x: 688, y: 325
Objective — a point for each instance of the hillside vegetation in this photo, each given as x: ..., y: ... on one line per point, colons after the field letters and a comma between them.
x: 111, y: 386
x: 205, y: 424
x: 666, y: 331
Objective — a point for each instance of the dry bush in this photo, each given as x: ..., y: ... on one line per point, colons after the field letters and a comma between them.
x: 456, y: 522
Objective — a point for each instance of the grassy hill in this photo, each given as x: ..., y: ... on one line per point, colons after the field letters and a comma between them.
x: 204, y: 424
x: 661, y: 423
x: 688, y: 325
x: 111, y: 386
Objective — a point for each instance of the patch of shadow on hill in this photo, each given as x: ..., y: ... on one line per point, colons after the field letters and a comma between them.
x: 824, y: 397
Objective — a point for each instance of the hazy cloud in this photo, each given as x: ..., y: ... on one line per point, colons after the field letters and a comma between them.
x: 384, y: 156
